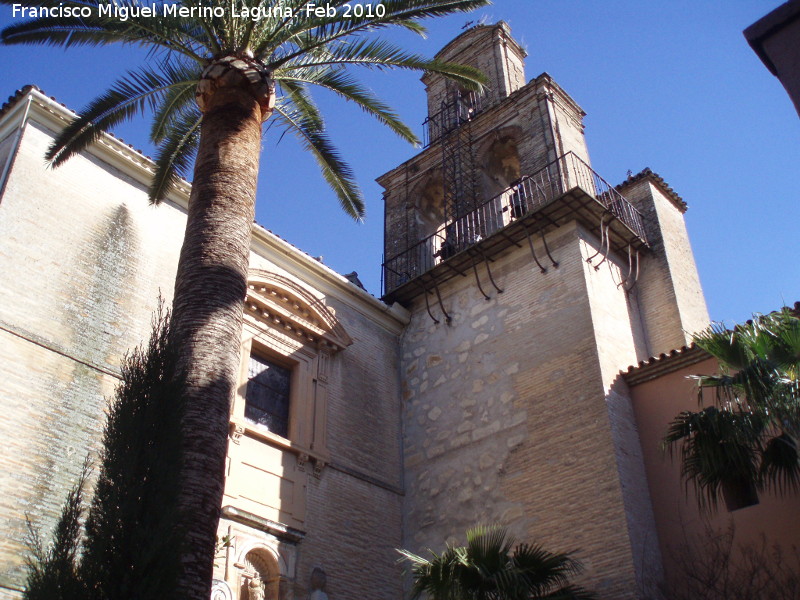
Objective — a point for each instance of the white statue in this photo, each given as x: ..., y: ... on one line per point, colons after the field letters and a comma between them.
x: 255, y: 588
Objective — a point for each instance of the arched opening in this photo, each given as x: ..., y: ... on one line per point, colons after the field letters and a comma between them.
x: 502, y: 171
x: 502, y: 165
x: 260, y: 576
x: 430, y: 206
x: 429, y: 220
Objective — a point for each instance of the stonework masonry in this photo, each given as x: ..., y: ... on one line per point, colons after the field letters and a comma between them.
x: 543, y: 122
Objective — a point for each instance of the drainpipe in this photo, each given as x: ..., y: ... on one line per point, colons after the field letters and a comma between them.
x: 13, y: 152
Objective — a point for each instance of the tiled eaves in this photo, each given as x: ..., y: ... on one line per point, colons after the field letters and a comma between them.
x: 657, y: 180
x: 664, y: 363
x: 21, y: 93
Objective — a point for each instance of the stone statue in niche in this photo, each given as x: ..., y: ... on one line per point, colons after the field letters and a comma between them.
x: 255, y: 588
x: 318, y: 581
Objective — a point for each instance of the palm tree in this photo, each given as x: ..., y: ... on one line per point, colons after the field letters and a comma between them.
x: 747, y: 440
x: 490, y: 567
x: 211, y: 81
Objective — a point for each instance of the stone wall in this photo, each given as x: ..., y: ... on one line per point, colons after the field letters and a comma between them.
x: 506, y: 411
x: 491, y: 50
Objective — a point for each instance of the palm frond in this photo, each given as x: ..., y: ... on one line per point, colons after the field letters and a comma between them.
x: 176, y: 154
x: 379, y: 54
x: 716, y: 447
x: 322, y: 31
x: 723, y: 344
x: 298, y: 96
x: 306, y: 50
x: 176, y: 100
x: 541, y: 569
x: 748, y: 438
x: 341, y: 83
x: 490, y: 567
x: 171, y: 33
x: 780, y: 464
x: 129, y: 96
x: 335, y: 171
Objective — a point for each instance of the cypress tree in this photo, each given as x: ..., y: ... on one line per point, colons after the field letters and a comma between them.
x: 130, y: 545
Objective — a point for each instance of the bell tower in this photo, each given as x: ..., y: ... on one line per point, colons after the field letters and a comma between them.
x: 531, y: 282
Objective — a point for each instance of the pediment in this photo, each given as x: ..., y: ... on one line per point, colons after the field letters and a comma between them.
x: 283, y: 304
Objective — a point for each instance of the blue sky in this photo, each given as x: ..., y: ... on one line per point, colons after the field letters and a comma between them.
x: 671, y: 86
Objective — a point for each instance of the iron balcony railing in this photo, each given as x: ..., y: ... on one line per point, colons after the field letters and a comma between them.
x: 461, y: 109
x: 530, y: 193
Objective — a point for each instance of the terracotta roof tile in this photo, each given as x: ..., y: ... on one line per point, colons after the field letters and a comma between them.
x: 659, y: 181
x: 664, y: 363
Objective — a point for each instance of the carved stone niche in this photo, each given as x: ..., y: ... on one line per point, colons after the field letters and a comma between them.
x: 260, y: 577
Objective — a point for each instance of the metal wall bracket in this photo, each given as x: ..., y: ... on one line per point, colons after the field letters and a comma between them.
x: 533, y: 252
x: 624, y: 282
x: 487, y: 260
x: 546, y: 249
x: 477, y: 278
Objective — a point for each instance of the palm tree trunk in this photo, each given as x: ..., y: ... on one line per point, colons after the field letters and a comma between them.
x: 210, y: 289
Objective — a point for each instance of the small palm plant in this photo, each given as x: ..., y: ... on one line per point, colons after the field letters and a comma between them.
x: 492, y: 567
x: 747, y: 439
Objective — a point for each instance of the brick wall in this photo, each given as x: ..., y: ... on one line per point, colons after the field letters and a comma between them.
x: 670, y: 294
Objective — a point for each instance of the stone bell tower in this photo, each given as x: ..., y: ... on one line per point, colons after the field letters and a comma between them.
x: 531, y: 283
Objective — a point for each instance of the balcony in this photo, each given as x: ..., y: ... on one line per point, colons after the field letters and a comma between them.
x: 565, y: 190
x: 463, y: 108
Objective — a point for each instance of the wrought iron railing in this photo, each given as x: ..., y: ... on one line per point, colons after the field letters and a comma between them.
x: 461, y: 109
x: 530, y: 193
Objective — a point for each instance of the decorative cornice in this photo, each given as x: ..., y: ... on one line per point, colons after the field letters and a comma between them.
x: 283, y: 303
x: 279, y: 530
x: 47, y: 112
x: 327, y: 281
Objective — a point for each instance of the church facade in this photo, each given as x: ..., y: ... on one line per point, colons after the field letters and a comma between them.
x: 489, y: 383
